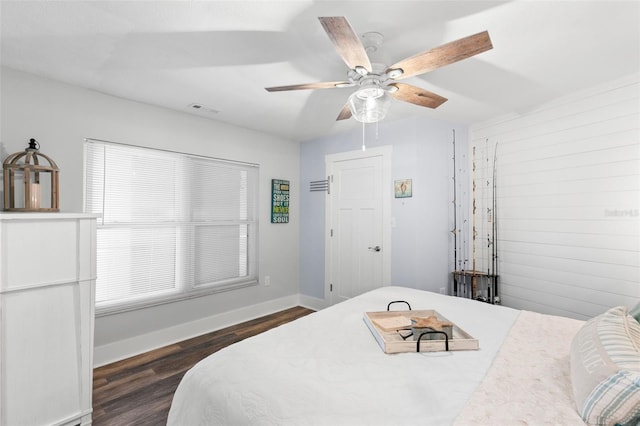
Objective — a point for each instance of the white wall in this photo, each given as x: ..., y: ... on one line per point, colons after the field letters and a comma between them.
x: 421, y: 251
x: 61, y: 116
x: 568, y: 201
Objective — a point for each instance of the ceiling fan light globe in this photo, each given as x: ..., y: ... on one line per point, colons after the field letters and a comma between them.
x: 369, y: 105
x: 368, y: 93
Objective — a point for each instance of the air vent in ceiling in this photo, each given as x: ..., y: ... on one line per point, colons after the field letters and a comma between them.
x: 203, y: 108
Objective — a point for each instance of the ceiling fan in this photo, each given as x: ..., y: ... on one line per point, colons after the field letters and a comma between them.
x: 377, y: 82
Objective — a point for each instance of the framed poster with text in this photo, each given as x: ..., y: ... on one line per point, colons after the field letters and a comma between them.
x: 279, y: 201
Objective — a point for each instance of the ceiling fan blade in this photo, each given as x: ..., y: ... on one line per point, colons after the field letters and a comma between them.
x: 346, y: 42
x: 345, y: 114
x: 417, y: 96
x: 323, y: 85
x: 443, y: 55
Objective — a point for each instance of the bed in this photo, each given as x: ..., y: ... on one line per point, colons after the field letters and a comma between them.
x: 328, y: 369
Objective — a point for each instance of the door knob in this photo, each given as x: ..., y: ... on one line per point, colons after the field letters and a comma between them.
x: 376, y: 248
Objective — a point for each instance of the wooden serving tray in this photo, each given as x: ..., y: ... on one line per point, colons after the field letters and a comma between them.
x: 385, y: 325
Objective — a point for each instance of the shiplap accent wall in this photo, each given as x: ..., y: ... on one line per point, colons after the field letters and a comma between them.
x: 568, y: 201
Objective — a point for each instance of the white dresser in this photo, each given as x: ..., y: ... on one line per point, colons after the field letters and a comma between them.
x: 47, y: 294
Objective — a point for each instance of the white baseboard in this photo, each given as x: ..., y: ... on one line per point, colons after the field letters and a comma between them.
x: 312, y: 302
x: 122, y: 349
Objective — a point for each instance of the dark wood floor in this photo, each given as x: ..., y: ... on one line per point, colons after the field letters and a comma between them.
x: 138, y: 390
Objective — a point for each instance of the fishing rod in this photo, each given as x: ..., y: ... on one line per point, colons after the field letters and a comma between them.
x: 455, y: 219
x: 490, y: 220
x: 455, y: 208
x: 494, y: 230
x: 473, y: 224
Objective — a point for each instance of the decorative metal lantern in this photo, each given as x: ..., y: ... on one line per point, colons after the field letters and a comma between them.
x: 26, y: 180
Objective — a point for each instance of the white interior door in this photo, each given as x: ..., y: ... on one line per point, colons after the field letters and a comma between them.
x: 358, y: 224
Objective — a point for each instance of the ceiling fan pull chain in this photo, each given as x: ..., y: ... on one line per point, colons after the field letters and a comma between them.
x: 364, y: 148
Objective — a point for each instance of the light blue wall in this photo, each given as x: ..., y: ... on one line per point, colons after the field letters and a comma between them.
x: 422, y: 251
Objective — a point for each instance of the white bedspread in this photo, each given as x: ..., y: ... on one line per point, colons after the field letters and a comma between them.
x: 327, y: 369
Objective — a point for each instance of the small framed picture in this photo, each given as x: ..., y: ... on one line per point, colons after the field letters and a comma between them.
x: 402, y: 188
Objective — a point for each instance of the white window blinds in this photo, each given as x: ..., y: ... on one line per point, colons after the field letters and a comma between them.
x: 172, y: 225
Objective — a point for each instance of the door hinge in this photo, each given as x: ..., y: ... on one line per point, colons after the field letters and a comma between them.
x: 331, y: 287
x: 331, y: 233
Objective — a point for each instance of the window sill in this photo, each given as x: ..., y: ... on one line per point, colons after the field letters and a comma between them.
x: 148, y: 303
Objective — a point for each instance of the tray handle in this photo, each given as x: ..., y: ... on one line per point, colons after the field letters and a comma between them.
x: 446, y: 339
x: 398, y: 301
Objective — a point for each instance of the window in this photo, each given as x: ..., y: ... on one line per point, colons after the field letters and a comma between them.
x: 172, y: 225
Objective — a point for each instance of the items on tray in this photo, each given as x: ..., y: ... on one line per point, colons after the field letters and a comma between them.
x: 392, y: 329
x: 421, y: 325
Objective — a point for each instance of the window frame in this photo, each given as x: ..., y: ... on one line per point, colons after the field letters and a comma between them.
x: 185, y: 285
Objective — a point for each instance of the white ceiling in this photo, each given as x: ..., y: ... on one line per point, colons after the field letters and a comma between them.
x: 223, y: 53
